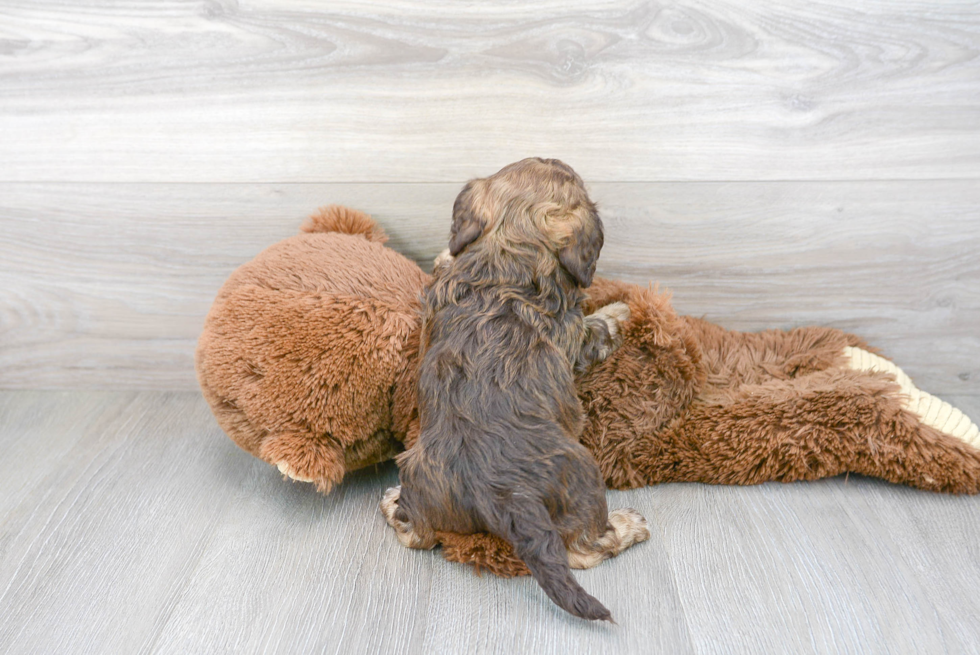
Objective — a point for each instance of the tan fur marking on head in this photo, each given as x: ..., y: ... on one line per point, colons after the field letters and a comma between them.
x: 531, y: 203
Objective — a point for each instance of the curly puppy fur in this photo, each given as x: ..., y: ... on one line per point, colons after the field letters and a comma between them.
x: 503, y: 333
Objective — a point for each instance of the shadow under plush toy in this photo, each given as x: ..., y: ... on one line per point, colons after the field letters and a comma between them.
x: 308, y: 360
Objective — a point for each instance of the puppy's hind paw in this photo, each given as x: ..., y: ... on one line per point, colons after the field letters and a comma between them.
x: 389, y: 507
x: 398, y: 519
x: 630, y: 526
x: 626, y: 527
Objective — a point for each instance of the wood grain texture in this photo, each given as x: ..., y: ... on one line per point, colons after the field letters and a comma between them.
x: 839, y: 565
x: 389, y: 91
x: 130, y: 524
x: 107, y: 286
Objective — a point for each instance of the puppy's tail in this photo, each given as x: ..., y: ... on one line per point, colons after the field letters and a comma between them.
x: 337, y: 218
x: 529, y: 529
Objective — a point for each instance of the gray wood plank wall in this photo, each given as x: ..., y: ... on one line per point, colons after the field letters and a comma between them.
x: 108, y: 284
x: 394, y: 91
x: 773, y: 165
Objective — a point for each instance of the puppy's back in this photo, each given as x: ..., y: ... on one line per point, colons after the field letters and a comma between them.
x: 497, y: 449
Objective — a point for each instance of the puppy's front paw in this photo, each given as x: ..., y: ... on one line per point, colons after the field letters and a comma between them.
x: 442, y: 259
x: 604, y: 334
x: 615, y: 315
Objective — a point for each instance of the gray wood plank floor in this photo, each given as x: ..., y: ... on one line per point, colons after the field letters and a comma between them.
x: 130, y: 524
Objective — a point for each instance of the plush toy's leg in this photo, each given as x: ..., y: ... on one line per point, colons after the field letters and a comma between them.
x: 626, y: 528
x: 304, y: 458
x: 483, y: 551
x: 731, y: 359
x: 930, y: 410
x: 819, y: 425
x: 488, y: 552
x: 398, y: 519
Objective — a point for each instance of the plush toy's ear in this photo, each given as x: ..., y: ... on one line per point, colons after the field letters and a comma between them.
x: 579, y: 256
x: 468, y: 225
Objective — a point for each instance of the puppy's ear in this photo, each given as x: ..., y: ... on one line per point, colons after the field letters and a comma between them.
x: 467, y: 224
x: 580, y: 255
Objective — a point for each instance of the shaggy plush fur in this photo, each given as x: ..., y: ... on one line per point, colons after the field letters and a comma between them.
x: 733, y: 408
x: 681, y: 400
x: 302, y: 346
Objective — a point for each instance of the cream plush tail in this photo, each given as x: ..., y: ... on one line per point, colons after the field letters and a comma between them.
x: 932, y: 411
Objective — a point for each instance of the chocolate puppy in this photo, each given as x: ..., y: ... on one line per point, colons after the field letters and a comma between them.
x: 503, y: 334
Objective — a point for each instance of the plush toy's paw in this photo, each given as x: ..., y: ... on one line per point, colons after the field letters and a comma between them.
x: 398, y: 519
x: 627, y: 527
x: 291, y: 473
x: 931, y: 411
x: 304, y: 458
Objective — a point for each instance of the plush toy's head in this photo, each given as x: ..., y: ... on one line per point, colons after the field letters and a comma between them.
x: 301, y: 349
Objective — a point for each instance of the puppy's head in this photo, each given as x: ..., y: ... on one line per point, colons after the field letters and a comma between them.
x: 538, y: 203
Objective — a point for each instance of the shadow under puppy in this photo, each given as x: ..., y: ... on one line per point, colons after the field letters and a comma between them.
x: 503, y: 334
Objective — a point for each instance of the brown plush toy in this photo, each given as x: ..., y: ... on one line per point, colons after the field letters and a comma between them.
x: 309, y: 353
